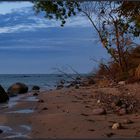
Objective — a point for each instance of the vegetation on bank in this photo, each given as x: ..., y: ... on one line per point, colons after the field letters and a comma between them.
x: 111, y: 70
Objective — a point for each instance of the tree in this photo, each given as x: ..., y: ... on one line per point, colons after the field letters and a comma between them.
x: 57, y: 9
x: 114, y: 30
x: 131, y: 9
x: 116, y: 25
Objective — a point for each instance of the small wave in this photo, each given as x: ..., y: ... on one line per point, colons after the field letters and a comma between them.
x: 26, y: 111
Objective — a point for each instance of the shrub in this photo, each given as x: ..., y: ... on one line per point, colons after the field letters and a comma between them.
x: 111, y: 70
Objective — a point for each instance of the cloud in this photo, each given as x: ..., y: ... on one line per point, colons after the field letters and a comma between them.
x: 8, y: 7
x: 21, y: 27
x: 25, y: 19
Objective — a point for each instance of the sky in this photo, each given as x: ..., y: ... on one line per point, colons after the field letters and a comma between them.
x: 32, y: 44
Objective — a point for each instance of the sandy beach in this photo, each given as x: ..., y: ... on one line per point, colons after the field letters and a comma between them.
x: 69, y: 69
x: 70, y: 113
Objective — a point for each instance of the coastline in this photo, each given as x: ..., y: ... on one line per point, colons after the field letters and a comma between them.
x: 68, y: 113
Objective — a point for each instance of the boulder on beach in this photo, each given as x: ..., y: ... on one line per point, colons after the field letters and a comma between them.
x: 17, y: 88
x: 3, y: 95
x: 35, y: 88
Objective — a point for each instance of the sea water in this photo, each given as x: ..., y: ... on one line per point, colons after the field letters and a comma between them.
x: 45, y: 81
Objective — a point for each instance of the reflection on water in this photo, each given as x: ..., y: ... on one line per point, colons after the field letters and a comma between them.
x: 5, y: 129
x: 21, y: 130
x: 18, y: 135
x: 14, y: 100
x: 31, y: 99
x: 11, y: 133
x: 27, y: 127
x: 17, y: 99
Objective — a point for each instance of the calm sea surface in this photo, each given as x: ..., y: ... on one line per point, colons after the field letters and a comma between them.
x: 45, y: 81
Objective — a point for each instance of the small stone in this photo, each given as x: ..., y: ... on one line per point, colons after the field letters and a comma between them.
x: 122, y: 111
x: 41, y: 101
x: 49, y: 129
x: 127, y: 121
x: 67, y: 111
x: 110, y: 134
x: 45, y: 108
x: 98, y: 101
x: 118, y: 102
x: 76, y: 87
x: 60, y: 86
x: 131, y: 107
x: 91, y: 130
x: 99, y: 111
x: 124, y: 106
x: 83, y: 114
x: 35, y: 88
x: 121, y: 83
x: 116, y: 126
x: 113, y: 105
x: 35, y: 94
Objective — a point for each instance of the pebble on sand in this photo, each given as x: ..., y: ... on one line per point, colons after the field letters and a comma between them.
x: 116, y: 126
x: 122, y: 111
x: 99, y: 111
x: 127, y: 121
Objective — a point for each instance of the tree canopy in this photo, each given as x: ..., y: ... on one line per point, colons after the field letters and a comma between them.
x: 58, y: 9
x: 61, y: 10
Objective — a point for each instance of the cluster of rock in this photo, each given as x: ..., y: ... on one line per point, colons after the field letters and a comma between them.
x: 77, y: 82
x: 119, y: 104
x: 13, y: 90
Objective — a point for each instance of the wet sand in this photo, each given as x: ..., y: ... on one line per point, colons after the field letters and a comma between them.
x: 68, y: 113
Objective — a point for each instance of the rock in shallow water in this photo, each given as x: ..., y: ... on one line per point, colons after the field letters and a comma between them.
x: 3, y: 95
x: 35, y: 88
x: 17, y: 88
